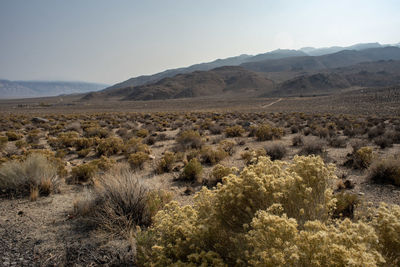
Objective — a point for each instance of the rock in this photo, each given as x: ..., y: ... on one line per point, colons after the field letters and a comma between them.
x: 360, y: 193
x: 39, y: 120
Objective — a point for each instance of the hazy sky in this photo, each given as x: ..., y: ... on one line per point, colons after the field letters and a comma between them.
x: 109, y: 41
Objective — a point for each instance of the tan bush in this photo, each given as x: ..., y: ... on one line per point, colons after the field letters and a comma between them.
x: 137, y: 160
x: 219, y: 172
x: 3, y: 141
x: 234, y: 131
x: 109, y: 146
x: 83, y: 173
x: 273, y: 214
x: 34, y: 173
x: 13, y: 136
x: 267, y: 132
x: 210, y: 156
x: 165, y: 164
x: 189, y: 139
x: 119, y: 202
x: 362, y: 158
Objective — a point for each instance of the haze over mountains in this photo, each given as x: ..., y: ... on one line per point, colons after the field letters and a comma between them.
x: 281, y: 72
x: 277, y: 73
x: 28, y: 89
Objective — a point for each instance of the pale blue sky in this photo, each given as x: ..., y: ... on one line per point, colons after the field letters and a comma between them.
x: 109, y: 41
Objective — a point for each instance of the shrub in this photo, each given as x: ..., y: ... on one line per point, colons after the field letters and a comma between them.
x: 189, y: 139
x: 166, y: 163
x: 385, y: 171
x: 362, y: 158
x: 252, y: 156
x: 137, y: 160
x: 96, y: 132
x: 273, y: 214
x: 135, y: 144
x: 386, y: 222
x: 276, y: 151
x: 338, y: 142
x: 84, y: 143
x: 297, y: 140
x: 313, y: 147
x: 119, y: 202
x: 234, y: 131
x: 345, y: 205
x: 267, y: 132
x: 210, y: 156
x: 109, y: 146
x: 83, y: 152
x: 228, y: 146
x: 192, y: 171
x: 142, y: 133
x: 13, y: 136
x: 219, y: 172
x: 3, y: 142
x: 383, y: 141
x: 83, y: 173
x: 36, y: 173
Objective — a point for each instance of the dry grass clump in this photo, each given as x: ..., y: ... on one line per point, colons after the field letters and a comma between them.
x: 83, y: 173
x: 192, y: 171
x: 338, y: 142
x: 189, y: 140
x: 267, y: 132
x: 276, y: 151
x: 35, y: 175
x: 234, y: 131
x: 386, y: 171
x: 119, y: 202
x: 96, y: 132
x: 360, y: 158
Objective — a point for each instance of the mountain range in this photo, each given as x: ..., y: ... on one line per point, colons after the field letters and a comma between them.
x: 28, y: 89
x: 304, y: 75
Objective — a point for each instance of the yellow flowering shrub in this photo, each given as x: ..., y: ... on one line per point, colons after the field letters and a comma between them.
x: 272, y: 214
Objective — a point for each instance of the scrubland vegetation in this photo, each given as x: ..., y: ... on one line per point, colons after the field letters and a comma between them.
x: 207, y: 188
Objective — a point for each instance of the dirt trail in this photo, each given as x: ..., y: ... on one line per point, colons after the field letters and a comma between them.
x: 270, y: 104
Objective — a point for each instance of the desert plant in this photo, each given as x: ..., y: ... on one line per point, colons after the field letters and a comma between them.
x: 313, y: 147
x: 189, y: 139
x: 210, y: 156
x: 3, y: 141
x: 234, y: 131
x: 165, y: 163
x: 276, y: 151
x: 119, y: 202
x: 217, y: 173
x: 109, y: 146
x: 385, y: 171
x: 137, y: 160
x: 34, y: 173
x: 192, y: 171
x: 345, y: 205
x: 297, y: 140
x: 270, y: 215
x: 83, y: 173
x: 362, y: 158
x: 267, y: 132
x: 13, y: 136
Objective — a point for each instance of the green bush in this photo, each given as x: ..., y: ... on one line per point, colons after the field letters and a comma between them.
x: 272, y: 214
x: 83, y: 173
x: 192, y: 171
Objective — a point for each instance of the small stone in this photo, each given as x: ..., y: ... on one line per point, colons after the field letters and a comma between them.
x: 361, y: 193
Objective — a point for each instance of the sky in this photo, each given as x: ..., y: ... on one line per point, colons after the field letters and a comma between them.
x: 109, y: 41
